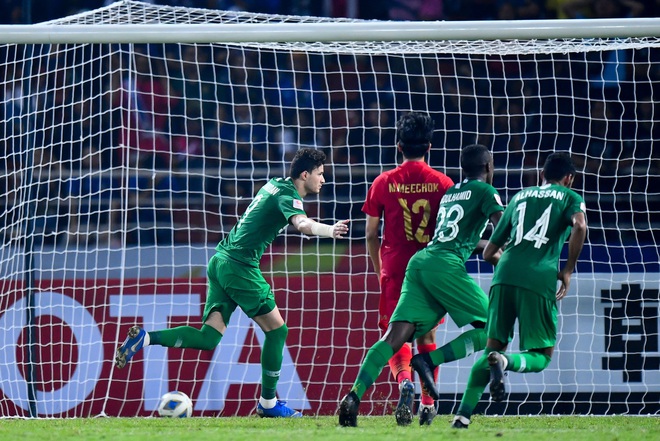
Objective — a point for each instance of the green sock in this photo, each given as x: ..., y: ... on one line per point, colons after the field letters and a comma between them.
x: 465, y: 344
x: 372, y: 365
x: 271, y: 360
x: 206, y: 338
x: 477, y: 382
x: 527, y: 362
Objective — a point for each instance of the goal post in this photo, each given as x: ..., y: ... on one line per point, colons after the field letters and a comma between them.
x: 133, y: 136
x: 328, y: 31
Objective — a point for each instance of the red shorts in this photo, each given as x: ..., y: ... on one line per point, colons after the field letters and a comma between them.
x: 390, y: 291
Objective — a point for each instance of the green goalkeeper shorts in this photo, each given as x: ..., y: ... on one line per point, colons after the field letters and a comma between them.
x: 232, y: 284
x: 536, y: 315
x: 427, y: 295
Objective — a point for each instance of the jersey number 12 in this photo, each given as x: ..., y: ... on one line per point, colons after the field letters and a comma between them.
x: 422, y: 205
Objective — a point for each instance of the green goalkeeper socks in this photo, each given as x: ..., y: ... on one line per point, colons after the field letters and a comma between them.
x: 465, y: 344
x: 527, y: 362
x: 271, y: 360
x: 372, y: 365
x: 206, y: 338
x: 477, y: 382
x: 480, y: 375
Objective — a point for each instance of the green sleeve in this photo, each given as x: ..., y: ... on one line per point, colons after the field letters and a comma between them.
x: 575, y: 205
x: 492, y: 203
x: 503, y: 229
x: 290, y: 205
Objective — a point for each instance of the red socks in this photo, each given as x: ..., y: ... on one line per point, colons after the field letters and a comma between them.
x: 400, y: 364
x: 425, y: 398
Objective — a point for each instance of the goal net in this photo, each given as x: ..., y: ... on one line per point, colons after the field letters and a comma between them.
x: 124, y: 160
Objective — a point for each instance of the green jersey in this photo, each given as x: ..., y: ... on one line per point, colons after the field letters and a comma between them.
x: 267, y: 216
x: 462, y: 218
x: 534, y: 228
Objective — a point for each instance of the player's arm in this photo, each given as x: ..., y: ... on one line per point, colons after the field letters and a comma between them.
x: 575, y: 243
x: 492, y: 253
x: 481, y: 245
x: 493, y: 250
x: 373, y: 241
x: 312, y: 228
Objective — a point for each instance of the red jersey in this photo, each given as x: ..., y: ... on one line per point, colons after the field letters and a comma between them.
x: 408, y: 198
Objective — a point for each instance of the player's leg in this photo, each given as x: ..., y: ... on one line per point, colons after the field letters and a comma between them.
x: 466, y: 344
x: 400, y: 364
x: 398, y: 333
x: 537, y: 324
x: 417, y: 305
x: 390, y: 292
x: 255, y: 297
x: 217, y: 311
x: 532, y: 360
x: 427, y: 410
x: 426, y: 364
x: 500, y: 324
x: 137, y: 339
x: 466, y: 303
x: 477, y: 382
x: 396, y: 336
x: 391, y: 287
x: 206, y: 338
x: 275, y: 331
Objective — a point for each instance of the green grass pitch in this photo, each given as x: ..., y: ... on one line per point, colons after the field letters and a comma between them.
x: 566, y: 428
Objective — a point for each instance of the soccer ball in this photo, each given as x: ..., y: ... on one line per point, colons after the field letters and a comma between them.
x: 175, y: 405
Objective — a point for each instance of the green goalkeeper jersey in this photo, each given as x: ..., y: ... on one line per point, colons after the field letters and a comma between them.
x: 267, y: 216
x: 534, y: 228
x: 462, y: 218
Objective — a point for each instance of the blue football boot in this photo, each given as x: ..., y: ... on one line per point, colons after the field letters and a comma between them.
x: 279, y: 411
x: 131, y: 345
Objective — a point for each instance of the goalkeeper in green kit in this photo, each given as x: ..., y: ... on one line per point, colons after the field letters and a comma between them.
x: 532, y: 230
x: 235, y: 280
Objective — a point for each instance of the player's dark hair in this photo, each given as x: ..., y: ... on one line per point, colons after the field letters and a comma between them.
x: 557, y: 166
x: 473, y: 159
x: 414, y: 132
x: 306, y: 159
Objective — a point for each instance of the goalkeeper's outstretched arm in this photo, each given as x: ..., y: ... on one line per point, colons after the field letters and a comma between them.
x: 312, y: 228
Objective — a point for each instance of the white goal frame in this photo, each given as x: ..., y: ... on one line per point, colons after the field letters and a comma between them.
x: 335, y: 32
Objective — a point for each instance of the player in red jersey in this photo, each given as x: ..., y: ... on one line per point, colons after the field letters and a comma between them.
x: 407, y: 199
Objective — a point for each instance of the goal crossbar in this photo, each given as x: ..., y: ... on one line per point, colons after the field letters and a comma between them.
x: 336, y: 32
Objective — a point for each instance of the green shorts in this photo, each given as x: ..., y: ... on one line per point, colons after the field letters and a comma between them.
x: 232, y: 284
x: 536, y: 314
x: 427, y: 295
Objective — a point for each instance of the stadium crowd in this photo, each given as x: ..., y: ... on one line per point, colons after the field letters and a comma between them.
x: 193, y: 114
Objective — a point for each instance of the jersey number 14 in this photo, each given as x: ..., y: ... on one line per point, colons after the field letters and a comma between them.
x: 537, y: 234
